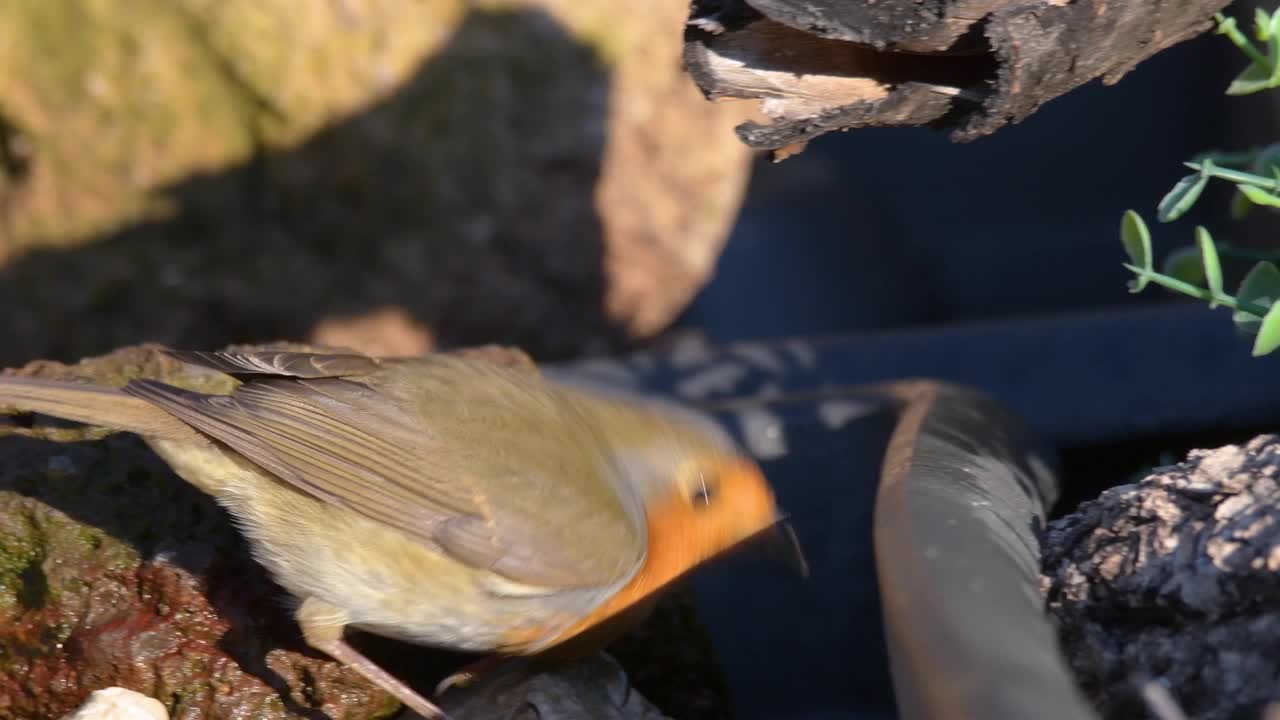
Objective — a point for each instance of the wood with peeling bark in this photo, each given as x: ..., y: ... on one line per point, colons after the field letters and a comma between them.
x: 970, y: 66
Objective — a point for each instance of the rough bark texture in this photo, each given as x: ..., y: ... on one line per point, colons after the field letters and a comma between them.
x: 526, y: 171
x: 1176, y: 578
x: 969, y: 65
x: 114, y: 572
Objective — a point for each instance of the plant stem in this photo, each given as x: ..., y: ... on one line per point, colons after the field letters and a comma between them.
x: 1227, y: 26
x: 1236, y: 176
x: 1200, y: 293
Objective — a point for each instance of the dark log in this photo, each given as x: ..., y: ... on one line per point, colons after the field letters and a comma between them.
x: 1174, y: 581
x: 971, y: 66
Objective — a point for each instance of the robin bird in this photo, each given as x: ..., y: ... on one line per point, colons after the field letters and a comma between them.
x: 447, y: 500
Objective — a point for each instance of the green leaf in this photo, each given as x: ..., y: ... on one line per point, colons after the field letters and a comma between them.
x: 1258, y: 196
x: 1268, y: 332
x: 1255, y: 78
x: 1261, y: 24
x: 1260, y: 287
x: 1184, y: 264
x: 1211, y: 265
x: 1240, y: 206
x: 1183, y: 195
x: 1264, y: 70
x: 1137, y: 243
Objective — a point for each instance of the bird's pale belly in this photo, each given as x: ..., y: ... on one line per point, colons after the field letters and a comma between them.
x: 385, y: 582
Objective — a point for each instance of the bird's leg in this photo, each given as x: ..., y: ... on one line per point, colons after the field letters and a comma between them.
x: 322, y: 625
x: 469, y: 674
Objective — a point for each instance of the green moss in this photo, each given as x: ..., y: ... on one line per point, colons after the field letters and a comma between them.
x: 19, y: 548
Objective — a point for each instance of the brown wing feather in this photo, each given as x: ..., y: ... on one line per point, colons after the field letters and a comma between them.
x: 311, y: 450
x: 106, y: 407
x: 340, y: 441
x: 281, y: 363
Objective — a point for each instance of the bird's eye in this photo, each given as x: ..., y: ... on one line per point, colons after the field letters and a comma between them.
x: 704, y: 490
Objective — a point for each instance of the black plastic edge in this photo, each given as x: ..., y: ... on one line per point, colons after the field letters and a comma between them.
x: 963, y: 496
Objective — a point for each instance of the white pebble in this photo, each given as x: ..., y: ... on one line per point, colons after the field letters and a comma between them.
x: 117, y: 703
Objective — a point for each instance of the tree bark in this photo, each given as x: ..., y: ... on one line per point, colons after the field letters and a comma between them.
x: 971, y: 66
x: 1175, y: 579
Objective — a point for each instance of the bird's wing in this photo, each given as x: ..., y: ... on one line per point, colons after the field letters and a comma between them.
x: 310, y: 365
x: 279, y: 363
x: 342, y: 442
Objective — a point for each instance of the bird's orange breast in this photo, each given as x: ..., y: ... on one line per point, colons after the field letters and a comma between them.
x: 681, y: 534
x: 673, y: 549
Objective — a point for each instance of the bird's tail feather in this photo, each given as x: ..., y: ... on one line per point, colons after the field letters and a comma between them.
x: 93, y: 405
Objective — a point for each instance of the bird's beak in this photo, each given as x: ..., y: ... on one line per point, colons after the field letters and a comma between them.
x: 782, y: 545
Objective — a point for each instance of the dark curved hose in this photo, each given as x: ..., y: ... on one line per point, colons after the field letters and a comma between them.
x: 963, y: 493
